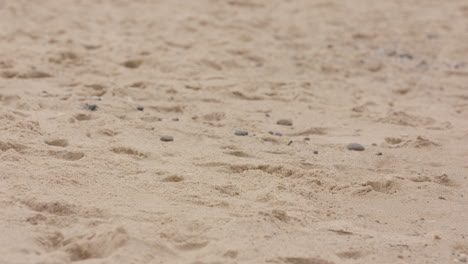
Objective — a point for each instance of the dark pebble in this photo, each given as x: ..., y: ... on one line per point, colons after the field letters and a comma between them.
x: 315, y: 152
x: 355, y: 146
x: 140, y: 108
x: 92, y: 107
x: 290, y: 142
x: 379, y: 154
x: 406, y: 56
x: 167, y: 138
x: 241, y: 133
x: 307, y: 138
x: 271, y: 132
x: 175, y: 119
x: 278, y: 134
x: 284, y: 122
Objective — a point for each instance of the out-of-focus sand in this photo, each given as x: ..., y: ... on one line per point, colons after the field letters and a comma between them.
x: 100, y: 187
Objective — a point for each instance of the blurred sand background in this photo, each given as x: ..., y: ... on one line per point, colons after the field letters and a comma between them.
x: 82, y: 186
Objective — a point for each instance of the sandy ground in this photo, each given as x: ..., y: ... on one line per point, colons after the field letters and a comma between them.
x: 101, y: 187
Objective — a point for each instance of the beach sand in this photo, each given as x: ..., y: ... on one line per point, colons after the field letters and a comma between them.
x: 86, y: 178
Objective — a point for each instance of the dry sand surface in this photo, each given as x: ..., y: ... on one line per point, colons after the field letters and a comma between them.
x: 101, y: 186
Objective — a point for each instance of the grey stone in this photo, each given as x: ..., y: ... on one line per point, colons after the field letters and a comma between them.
x: 241, y: 133
x: 407, y: 56
x: 355, y: 146
x: 92, y: 107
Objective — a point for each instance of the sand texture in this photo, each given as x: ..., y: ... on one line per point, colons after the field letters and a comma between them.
x: 239, y: 150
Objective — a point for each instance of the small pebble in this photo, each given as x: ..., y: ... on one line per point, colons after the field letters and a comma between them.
x: 355, y: 146
x: 284, y: 122
x: 315, y: 152
x: 167, y: 138
x: 379, y: 154
x: 307, y: 138
x: 92, y: 107
x: 406, y: 56
x: 278, y: 134
x: 175, y: 119
x: 241, y: 133
x: 271, y: 132
x: 290, y: 142
x: 140, y: 108
x: 374, y: 144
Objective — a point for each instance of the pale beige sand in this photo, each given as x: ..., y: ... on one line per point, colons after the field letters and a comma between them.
x: 100, y: 187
